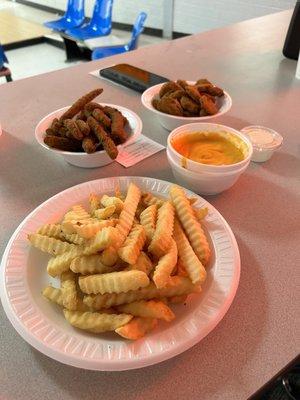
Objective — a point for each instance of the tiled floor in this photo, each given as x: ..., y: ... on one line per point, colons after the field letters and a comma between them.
x: 41, y: 58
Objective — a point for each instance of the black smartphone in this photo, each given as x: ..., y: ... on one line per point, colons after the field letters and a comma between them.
x: 131, y: 77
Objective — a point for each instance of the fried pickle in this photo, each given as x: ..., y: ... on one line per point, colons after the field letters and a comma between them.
x: 83, y: 127
x: 189, y: 105
x: 89, y: 144
x: 103, y: 138
x: 101, y: 117
x: 208, y: 105
x: 168, y: 87
x: 73, y: 130
x: 63, y: 143
x: 80, y: 103
x: 170, y: 106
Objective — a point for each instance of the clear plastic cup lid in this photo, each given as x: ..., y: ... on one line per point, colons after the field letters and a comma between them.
x: 262, y: 137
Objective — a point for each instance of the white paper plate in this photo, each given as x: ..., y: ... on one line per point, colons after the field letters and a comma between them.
x: 41, y: 324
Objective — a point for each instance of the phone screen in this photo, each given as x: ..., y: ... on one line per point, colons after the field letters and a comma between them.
x: 132, y: 77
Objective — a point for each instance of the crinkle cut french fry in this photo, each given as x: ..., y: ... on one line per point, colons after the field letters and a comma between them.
x: 68, y: 290
x: 149, y: 199
x: 127, y: 214
x: 176, y: 286
x: 108, y: 236
x: 96, y: 322
x: 94, y: 201
x: 74, y: 238
x: 77, y: 212
x: 133, y: 245
x: 143, y: 263
x: 91, y: 264
x: 109, y: 256
x: 107, y: 201
x: 148, y: 309
x: 190, y: 224
x: 165, y: 267
x: 162, y: 237
x: 49, y: 244
x: 190, y: 261
x: 68, y: 227
x: 148, y: 220
x: 114, y: 282
x: 51, y: 230
x: 87, y: 231
x: 105, y: 213
x: 200, y: 213
x: 136, y: 328
x: 57, y: 265
x: 177, y: 299
x: 53, y: 294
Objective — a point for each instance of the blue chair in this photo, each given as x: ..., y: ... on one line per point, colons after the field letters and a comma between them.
x: 99, y: 25
x: 74, y: 16
x: 138, y: 27
x: 4, y: 71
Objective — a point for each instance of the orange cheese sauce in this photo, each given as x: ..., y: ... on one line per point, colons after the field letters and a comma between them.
x: 207, y: 148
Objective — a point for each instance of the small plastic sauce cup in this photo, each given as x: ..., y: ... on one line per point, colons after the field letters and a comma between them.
x: 264, y: 141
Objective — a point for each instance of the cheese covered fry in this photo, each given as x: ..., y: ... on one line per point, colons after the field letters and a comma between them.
x: 133, y: 245
x: 190, y: 224
x: 190, y: 261
x: 50, y: 244
x: 96, y: 322
x: 165, y: 267
x: 115, y: 282
x: 162, y: 237
x: 136, y: 328
x: 148, y: 309
x: 176, y: 286
x: 148, y: 220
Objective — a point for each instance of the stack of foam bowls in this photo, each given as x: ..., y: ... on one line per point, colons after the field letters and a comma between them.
x: 207, y: 179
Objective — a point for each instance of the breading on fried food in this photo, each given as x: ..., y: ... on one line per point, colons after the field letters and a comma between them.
x: 103, y: 138
x: 101, y: 117
x: 189, y: 105
x: 89, y: 144
x: 170, y: 106
x: 83, y: 127
x: 73, y: 129
x: 62, y: 143
x: 90, y: 107
x: 193, y: 93
x: 203, y: 81
x: 177, y: 94
x: 182, y: 83
x: 80, y: 103
x: 117, y: 125
x: 208, y: 105
x: 168, y: 87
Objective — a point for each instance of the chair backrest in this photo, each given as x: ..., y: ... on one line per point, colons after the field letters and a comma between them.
x: 102, y: 15
x: 3, y: 58
x: 75, y: 10
x: 138, y: 28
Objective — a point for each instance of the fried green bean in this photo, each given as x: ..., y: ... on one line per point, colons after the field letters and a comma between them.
x: 80, y: 103
x: 62, y: 143
x: 103, y: 138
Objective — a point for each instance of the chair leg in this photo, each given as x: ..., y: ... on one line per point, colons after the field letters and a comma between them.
x: 8, y: 78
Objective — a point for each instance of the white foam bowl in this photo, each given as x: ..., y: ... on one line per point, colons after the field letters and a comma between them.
x: 204, y: 183
x: 99, y: 158
x: 210, y: 127
x: 171, y: 122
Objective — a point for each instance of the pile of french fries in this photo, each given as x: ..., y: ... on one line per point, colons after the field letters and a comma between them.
x: 125, y: 260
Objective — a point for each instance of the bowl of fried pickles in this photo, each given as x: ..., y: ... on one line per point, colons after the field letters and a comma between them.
x: 181, y: 102
x: 88, y: 134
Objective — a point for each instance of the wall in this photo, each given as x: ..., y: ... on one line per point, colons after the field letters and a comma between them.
x: 190, y: 16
